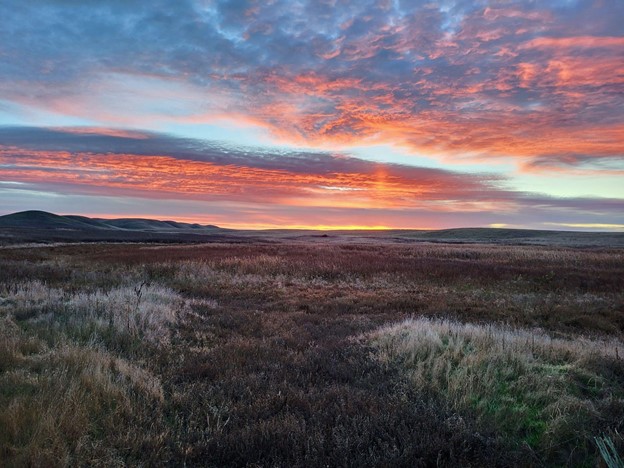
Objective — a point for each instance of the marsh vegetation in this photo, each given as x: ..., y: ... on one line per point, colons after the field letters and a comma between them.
x: 306, y: 353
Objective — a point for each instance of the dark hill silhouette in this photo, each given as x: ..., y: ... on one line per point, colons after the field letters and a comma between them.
x: 151, y: 224
x: 44, y: 220
x: 41, y: 226
x: 83, y: 220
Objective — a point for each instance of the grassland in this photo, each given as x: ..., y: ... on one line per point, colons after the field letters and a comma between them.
x: 297, y: 353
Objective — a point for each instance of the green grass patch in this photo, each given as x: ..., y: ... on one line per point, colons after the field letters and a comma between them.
x: 550, y: 396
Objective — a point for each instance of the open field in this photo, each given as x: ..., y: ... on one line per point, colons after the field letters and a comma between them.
x: 310, y: 353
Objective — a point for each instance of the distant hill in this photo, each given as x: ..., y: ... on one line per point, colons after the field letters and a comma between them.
x: 151, y: 225
x: 44, y: 220
x: 522, y: 236
x: 37, y: 226
x: 500, y: 236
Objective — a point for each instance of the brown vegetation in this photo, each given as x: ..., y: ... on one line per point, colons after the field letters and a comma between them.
x: 278, y: 354
x: 551, y: 395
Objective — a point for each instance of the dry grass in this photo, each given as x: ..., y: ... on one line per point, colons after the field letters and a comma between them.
x: 65, y: 387
x: 64, y: 405
x: 142, y: 311
x: 553, y: 395
x: 232, y: 355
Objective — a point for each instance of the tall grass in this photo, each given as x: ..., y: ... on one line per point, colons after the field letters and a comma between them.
x: 66, y: 387
x: 142, y: 310
x: 66, y: 404
x: 552, y: 395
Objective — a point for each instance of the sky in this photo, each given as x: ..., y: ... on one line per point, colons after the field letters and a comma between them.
x: 316, y: 113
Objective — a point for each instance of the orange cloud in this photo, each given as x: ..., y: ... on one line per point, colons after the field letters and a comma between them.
x: 158, y: 176
x: 575, y: 42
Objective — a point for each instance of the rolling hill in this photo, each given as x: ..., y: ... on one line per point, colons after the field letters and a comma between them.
x: 41, y: 226
x: 44, y: 220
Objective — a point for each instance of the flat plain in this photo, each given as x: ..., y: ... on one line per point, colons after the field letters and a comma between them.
x: 311, y: 350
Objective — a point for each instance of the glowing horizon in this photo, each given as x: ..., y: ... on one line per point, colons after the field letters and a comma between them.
x: 318, y: 115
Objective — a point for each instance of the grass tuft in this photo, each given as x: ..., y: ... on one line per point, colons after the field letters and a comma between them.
x: 608, y: 452
x: 549, y: 394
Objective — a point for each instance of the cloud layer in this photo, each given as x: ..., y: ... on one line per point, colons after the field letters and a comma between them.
x: 249, y: 187
x: 541, y: 82
x: 537, y: 87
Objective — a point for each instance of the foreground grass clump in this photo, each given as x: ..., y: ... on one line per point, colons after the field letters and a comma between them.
x: 551, y: 395
x: 140, y: 311
x: 66, y: 385
x: 65, y: 405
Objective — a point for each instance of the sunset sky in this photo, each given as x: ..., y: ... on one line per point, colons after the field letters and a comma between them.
x: 260, y: 114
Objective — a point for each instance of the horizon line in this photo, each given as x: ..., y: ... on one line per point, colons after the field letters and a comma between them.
x: 563, y: 227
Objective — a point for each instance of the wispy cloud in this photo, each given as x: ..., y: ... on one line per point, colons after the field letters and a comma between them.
x: 261, y: 188
x: 157, y: 166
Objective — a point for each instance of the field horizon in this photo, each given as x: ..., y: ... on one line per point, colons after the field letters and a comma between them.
x: 42, y: 226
